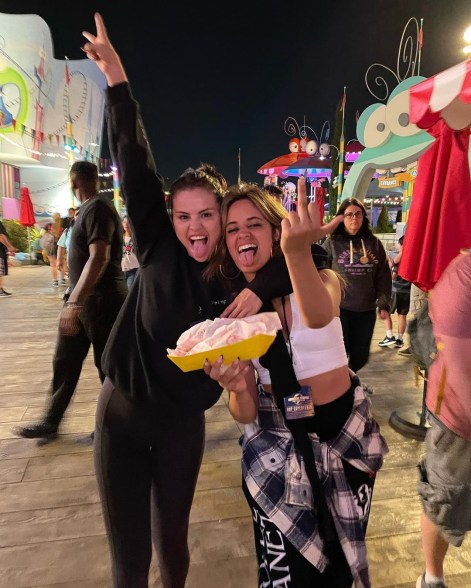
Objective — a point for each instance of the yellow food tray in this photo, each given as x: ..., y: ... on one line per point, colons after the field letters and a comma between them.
x: 251, y: 348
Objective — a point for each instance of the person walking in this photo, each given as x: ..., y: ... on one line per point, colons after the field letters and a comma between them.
x: 400, y: 303
x: 5, y: 246
x: 93, y: 300
x: 63, y: 246
x: 444, y: 484
x: 359, y: 257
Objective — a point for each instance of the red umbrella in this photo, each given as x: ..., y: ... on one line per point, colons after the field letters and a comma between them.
x: 26, y: 208
x: 27, y: 218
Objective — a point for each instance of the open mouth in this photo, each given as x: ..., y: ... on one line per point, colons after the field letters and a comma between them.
x: 199, y: 246
x: 246, y: 253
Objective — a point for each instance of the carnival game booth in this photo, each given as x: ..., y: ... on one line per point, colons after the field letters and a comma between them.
x: 439, y: 222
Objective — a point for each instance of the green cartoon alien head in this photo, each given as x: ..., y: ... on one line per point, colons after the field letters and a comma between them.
x: 390, y: 139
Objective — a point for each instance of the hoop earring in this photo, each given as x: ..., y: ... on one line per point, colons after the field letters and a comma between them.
x: 227, y: 277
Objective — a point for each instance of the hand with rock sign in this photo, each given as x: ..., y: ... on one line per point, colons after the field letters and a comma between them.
x: 100, y: 50
x: 302, y: 228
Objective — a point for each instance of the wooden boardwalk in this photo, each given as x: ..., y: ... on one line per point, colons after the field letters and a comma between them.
x: 51, y: 529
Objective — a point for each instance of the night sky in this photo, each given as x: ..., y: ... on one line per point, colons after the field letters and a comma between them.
x: 211, y: 81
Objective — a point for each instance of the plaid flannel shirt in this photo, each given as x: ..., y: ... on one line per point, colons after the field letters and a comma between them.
x: 276, y: 478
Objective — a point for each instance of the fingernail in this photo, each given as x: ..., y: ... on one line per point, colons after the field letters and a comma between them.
x: 219, y: 359
x: 206, y: 362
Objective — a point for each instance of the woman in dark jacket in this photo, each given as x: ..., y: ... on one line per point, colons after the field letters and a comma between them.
x: 149, y: 435
x: 360, y: 258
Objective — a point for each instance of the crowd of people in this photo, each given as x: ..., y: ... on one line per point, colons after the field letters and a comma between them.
x: 137, y: 283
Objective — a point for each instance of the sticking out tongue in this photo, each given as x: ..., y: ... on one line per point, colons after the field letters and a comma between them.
x: 200, y: 247
x: 246, y: 257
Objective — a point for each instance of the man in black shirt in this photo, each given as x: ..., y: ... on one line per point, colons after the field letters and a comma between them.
x: 97, y: 291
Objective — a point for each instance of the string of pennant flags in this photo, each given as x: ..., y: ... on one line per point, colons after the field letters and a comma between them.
x: 54, y: 139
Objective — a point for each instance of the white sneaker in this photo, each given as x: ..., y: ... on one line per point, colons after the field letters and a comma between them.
x: 387, y: 341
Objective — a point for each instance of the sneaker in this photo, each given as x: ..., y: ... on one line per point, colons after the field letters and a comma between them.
x: 387, y: 341
x: 4, y: 293
x: 421, y: 583
x: 399, y: 343
x: 42, y: 430
x: 405, y: 352
x: 55, y: 283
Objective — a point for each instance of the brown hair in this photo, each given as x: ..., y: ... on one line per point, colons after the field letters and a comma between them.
x: 271, y: 209
x: 205, y: 176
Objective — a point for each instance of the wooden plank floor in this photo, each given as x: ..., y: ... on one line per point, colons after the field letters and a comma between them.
x: 51, y: 529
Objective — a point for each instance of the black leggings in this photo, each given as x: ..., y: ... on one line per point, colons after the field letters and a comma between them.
x: 147, y: 465
x: 357, y: 330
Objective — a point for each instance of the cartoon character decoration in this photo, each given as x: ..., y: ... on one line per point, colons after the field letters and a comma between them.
x: 390, y: 139
x: 300, y: 147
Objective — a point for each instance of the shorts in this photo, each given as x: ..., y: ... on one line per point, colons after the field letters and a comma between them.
x: 400, y: 302
x: 3, y: 266
x: 445, y: 482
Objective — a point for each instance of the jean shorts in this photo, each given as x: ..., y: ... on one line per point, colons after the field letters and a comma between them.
x: 445, y: 481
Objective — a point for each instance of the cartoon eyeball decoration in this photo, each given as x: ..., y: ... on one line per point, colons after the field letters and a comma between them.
x: 311, y: 147
x: 379, y: 121
x: 324, y: 150
x: 304, y: 141
x: 295, y: 145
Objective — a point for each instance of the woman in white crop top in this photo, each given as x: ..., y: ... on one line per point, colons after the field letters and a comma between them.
x: 345, y: 439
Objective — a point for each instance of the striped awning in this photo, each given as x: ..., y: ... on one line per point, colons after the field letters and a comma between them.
x: 446, y: 95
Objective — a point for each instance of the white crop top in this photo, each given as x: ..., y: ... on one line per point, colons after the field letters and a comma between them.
x: 315, y: 351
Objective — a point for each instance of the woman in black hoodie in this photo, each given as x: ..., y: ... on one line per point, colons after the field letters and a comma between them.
x: 149, y: 436
x: 360, y: 258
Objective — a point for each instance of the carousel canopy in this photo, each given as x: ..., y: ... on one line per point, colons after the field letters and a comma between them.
x: 279, y: 164
x: 311, y: 167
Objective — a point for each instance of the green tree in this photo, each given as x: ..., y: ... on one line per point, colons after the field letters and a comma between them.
x: 18, y: 234
x: 383, y: 225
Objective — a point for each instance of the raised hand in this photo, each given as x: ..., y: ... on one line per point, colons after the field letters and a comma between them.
x: 100, y: 50
x: 303, y: 227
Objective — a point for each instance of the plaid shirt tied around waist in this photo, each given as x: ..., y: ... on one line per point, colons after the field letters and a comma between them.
x: 276, y: 478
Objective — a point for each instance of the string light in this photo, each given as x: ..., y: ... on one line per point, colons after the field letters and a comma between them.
x: 32, y: 151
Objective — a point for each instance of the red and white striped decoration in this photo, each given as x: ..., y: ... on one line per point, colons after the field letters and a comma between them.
x: 9, y: 181
x: 446, y: 95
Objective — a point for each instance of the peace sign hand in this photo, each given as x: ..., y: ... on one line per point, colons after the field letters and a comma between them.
x: 100, y: 50
x: 302, y: 228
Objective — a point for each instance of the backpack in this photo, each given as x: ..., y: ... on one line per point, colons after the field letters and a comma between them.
x: 422, y: 340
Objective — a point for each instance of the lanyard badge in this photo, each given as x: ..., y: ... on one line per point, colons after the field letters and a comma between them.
x: 300, y: 404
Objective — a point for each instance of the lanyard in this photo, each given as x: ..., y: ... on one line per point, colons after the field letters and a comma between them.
x: 287, y: 328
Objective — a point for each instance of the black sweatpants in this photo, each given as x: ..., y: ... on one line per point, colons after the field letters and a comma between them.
x: 147, y: 464
x: 96, y: 322
x: 357, y: 330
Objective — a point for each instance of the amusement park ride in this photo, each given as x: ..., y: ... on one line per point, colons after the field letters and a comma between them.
x: 51, y: 113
